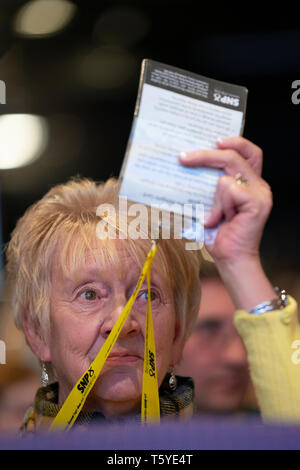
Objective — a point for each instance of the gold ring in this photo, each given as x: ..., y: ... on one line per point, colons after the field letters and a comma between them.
x: 240, y: 179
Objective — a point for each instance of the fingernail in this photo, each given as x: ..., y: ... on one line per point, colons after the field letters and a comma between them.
x: 220, y: 140
x: 183, y: 155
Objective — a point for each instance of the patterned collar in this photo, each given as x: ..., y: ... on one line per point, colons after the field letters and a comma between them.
x: 173, y: 403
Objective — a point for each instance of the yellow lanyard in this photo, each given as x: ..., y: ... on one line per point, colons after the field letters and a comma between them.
x: 150, y: 411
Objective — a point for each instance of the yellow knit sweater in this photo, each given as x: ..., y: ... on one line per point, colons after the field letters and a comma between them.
x: 272, y: 341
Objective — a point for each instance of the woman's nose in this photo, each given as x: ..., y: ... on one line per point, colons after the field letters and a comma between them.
x: 131, y: 326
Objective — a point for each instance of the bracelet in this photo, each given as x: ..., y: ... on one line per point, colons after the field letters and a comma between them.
x: 275, y: 304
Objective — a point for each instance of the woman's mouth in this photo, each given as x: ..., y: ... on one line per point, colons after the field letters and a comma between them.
x: 123, y: 356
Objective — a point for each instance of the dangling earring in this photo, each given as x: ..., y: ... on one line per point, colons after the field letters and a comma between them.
x: 44, y: 376
x: 172, y: 380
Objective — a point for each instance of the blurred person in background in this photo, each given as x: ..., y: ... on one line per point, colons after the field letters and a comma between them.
x: 15, y: 394
x: 19, y: 374
x: 214, y: 355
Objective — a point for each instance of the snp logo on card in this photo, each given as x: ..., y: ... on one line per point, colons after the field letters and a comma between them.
x: 2, y: 92
x: 221, y: 97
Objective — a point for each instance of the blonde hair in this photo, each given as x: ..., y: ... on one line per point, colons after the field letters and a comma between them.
x: 64, y: 221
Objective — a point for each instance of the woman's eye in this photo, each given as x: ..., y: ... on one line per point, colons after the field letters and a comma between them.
x: 154, y: 298
x: 153, y: 295
x: 89, y: 294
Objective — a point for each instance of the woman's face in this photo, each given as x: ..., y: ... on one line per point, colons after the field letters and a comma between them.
x: 84, y: 308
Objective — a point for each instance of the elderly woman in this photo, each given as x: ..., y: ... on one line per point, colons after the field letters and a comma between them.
x: 71, y: 287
